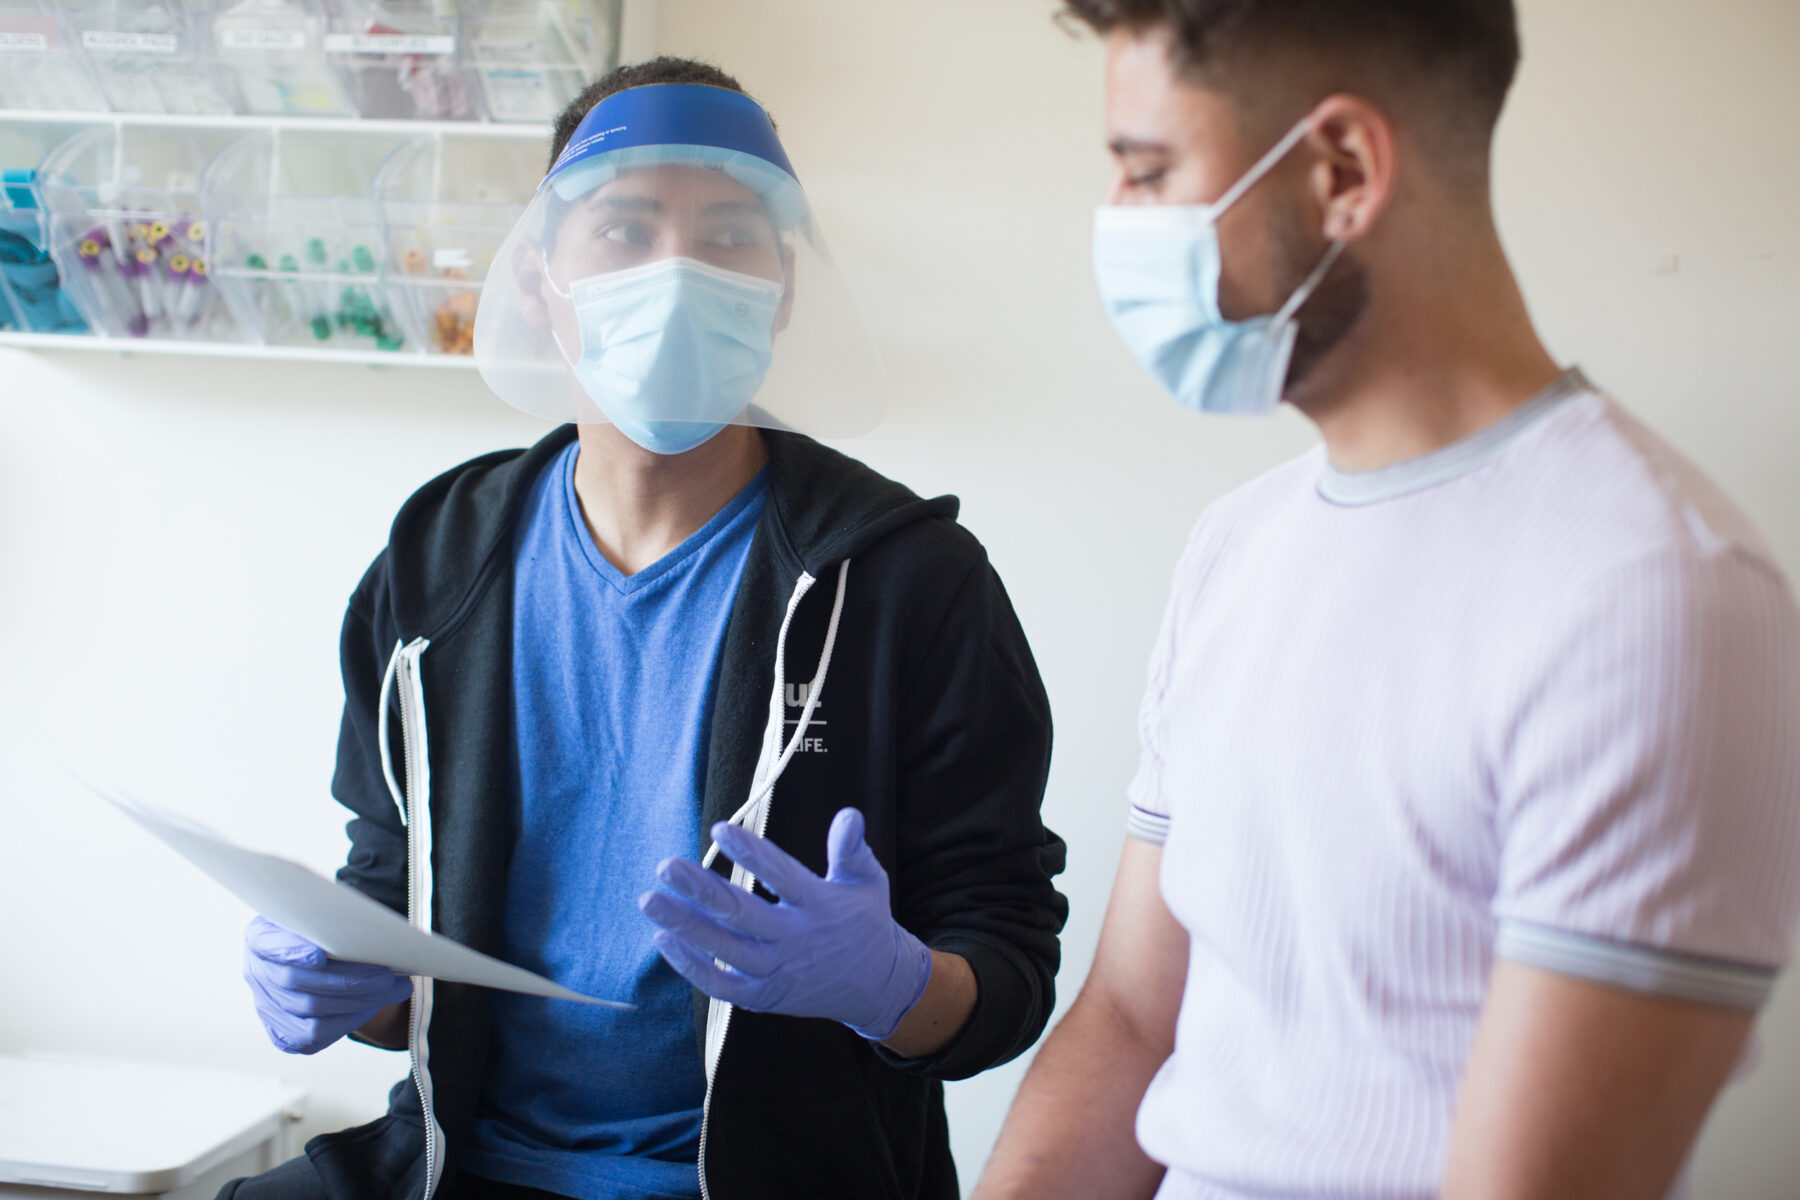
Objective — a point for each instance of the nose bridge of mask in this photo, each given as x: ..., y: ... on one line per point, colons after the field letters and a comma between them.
x: 658, y: 290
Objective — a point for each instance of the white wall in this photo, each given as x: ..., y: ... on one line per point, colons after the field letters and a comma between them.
x: 177, y: 538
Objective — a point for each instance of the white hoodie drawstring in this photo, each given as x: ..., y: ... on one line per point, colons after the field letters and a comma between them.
x: 381, y: 732
x: 752, y: 812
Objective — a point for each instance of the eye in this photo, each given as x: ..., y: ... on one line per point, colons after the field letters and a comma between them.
x: 1147, y: 179
x: 630, y: 233
x: 734, y: 237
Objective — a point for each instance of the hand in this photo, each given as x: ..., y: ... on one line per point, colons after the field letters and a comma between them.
x: 307, y: 1000
x: 831, y: 948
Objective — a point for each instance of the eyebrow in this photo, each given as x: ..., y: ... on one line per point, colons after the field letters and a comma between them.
x: 635, y: 204
x: 1122, y: 146
x: 735, y: 208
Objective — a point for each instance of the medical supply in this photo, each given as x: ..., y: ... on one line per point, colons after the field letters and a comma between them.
x: 301, y: 202
x: 400, y: 59
x: 40, y: 66
x: 532, y: 58
x: 142, y: 289
x: 511, y: 60
x: 110, y: 283
x: 453, y: 324
x: 1158, y: 269
x: 150, y: 284
x: 829, y: 948
x: 300, y: 301
x: 275, y: 53
x: 146, y: 57
x: 185, y: 287
x: 446, y: 206
x: 360, y: 312
x: 121, y: 204
x: 31, y: 293
x: 670, y: 272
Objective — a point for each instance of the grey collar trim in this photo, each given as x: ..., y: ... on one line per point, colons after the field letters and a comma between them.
x: 1452, y: 461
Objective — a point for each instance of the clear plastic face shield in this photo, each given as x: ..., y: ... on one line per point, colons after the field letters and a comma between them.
x: 669, y: 278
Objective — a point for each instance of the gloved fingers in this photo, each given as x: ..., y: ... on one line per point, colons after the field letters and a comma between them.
x: 785, y: 875
x: 699, y: 969
x: 271, y: 943
x: 364, y: 982
x: 309, y: 1036
x: 740, y: 909
x: 302, y: 1003
x: 751, y: 956
x: 847, y: 853
x: 297, y: 1034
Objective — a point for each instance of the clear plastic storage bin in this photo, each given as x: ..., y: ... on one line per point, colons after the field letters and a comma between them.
x: 403, y: 59
x: 125, y: 230
x: 274, y: 53
x: 41, y: 66
x: 32, y: 299
x: 446, y: 204
x: 148, y: 56
x: 296, y: 238
x: 531, y: 57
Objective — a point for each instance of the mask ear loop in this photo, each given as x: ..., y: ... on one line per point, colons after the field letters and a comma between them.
x: 544, y: 261
x: 1305, y: 291
x: 1263, y: 166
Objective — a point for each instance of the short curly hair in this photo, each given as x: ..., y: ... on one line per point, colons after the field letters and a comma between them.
x: 1450, y: 63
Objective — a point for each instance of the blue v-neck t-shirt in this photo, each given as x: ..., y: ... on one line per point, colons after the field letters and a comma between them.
x: 613, y: 679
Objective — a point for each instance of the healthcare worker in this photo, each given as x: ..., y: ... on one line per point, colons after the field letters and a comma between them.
x: 677, y: 631
x: 1465, y: 843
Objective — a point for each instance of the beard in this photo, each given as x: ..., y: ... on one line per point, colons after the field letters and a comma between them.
x: 1331, y: 313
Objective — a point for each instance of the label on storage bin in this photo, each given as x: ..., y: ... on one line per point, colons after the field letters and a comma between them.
x: 390, y: 43
x: 447, y: 258
x: 109, y: 41
x: 23, y: 43
x: 262, y: 39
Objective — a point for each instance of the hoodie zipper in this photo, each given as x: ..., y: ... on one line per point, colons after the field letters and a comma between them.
x: 416, y: 777
x: 771, y: 761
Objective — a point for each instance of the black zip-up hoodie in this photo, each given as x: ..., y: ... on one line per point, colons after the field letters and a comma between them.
x: 938, y: 729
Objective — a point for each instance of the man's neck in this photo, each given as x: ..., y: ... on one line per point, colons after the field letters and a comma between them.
x: 639, y: 505
x: 1438, y: 358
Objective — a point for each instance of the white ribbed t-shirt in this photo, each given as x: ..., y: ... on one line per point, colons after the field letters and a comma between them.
x: 1537, y: 696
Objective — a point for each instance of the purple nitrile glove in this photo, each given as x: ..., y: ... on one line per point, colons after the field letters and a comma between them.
x: 831, y: 948
x: 307, y: 1000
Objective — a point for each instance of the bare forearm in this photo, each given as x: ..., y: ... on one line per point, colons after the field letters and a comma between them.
x: 941, y: 1012
x: 1072, y: 1130
x: 386, y: 1030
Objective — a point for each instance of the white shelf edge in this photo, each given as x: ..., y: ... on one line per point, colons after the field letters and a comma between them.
x: 492, y: 129
x: 170, y: 348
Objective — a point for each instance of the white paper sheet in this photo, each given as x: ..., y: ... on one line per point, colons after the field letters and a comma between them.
x: 344, y: 922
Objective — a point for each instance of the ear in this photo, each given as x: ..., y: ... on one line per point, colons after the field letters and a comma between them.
x: 785, y: 313
x: 1353, y: 180
x: 527, y: 269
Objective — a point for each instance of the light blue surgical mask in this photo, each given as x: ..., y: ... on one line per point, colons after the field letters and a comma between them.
x: 673, y: 350
x: 1158, y: 269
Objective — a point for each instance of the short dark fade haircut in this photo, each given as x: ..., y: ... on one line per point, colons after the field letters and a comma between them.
x: 656, y: 70
x: 1449, y: 62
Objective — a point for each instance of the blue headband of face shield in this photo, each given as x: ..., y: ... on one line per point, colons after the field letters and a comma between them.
x: 691, y: 123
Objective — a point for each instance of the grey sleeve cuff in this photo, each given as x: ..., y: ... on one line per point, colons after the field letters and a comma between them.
x: 1147, y: 826
x: 1636, y: 968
